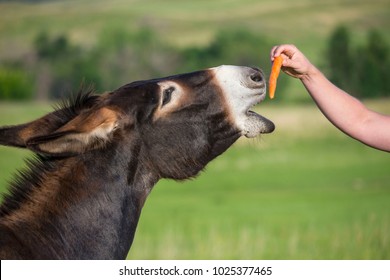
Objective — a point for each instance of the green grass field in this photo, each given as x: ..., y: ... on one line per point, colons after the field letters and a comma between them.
x: 304, y: 192
x: 187, y: 23
x: 184, y: 24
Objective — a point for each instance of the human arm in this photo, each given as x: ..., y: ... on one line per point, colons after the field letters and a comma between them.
x: 344, y: 111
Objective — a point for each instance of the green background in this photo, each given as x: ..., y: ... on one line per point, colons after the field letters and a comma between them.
x: 306, y: 191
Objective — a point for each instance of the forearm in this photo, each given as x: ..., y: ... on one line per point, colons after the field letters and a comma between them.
x: 346, y: 112
x: 339, y: 107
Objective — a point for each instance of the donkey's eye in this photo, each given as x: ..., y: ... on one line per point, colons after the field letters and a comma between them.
x: 167, y: 94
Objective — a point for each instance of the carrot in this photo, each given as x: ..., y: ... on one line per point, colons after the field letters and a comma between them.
x: 276, y: 66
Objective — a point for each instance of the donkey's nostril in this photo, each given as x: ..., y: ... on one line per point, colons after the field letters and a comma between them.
x: 256, y: 77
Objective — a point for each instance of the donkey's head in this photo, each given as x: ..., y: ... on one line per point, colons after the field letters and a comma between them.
x: 178, y: 123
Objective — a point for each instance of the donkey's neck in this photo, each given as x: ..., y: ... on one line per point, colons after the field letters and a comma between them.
x: 84, y: 208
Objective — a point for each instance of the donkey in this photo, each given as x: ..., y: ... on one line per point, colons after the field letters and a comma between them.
x: 98, y: 157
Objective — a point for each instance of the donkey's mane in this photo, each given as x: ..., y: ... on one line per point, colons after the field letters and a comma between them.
x: 29, y: 178
x: 70, y: 107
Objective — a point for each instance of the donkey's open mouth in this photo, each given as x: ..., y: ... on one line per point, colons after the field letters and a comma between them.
x: 254, y: 123
x: 243, y: 88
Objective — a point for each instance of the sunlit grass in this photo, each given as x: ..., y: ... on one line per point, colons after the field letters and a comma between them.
x: 306, y: 191
x: 189, y: 23
x: 308, y: 204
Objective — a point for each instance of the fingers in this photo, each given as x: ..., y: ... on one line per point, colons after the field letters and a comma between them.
x: 295, y: 63
x: 286, y: 49
x: 272, y: 53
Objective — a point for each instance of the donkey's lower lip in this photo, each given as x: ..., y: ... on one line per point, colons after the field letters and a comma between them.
x: 257, y: 124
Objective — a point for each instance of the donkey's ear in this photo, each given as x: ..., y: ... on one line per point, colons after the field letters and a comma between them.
x: 87, y: 131
x: 17, y: 135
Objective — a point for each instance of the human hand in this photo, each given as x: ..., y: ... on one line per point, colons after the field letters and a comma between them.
x: 295, y: 63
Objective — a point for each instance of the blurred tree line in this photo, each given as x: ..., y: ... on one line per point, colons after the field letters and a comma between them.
x: 56, y: 66
x: 360, y: 70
